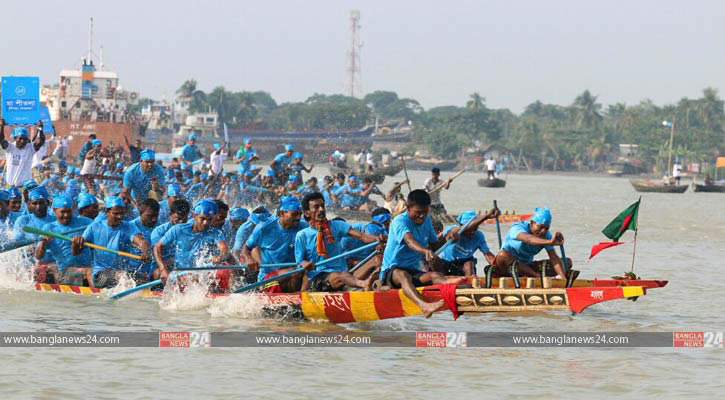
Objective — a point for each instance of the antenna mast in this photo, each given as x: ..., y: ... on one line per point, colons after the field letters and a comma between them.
x: 353, y: 68
x: 90, y: 44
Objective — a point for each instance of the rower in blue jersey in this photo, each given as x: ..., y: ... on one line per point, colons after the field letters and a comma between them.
x: 15, y: 205
x: 38, y: 216
x: 144, y: 176
x: 4, y: 214
x: 411, y: 238
x: 88, y: 206
x: 173, y: 193
x: 190, y: 153
x: 178, y: 214
x: 193, y: 241
x: 237, y: 217
x: 327, y: 187
x: 353, y: 196
x: 321, y: 240
x: 116, y: 234
x: 145, y: 224
x: 310, y: 187
x: 245, y: 156
x: 459, y: 258
x: 282, y: 160
x: 377, y: 227
x: 256, y: 217
x: 526, y: 239
x: 70, y: 269
x: 272, y: 242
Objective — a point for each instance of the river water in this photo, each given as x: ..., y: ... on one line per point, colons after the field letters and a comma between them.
x: 681, y: 239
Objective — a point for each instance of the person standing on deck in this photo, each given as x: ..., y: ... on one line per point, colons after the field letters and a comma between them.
x: 217, y: 158
x: 134, y: 151
x: 459, y: 258
x: 526, y: 239
x: 677, y: 171
x: 144, y: 176
x: 282, y: 160
x: 436, y: 207
x: 72, y: 270
x: 19, y: 153
x: 411, y: 238
x: 115, y: 234
x: 322, y: 240
x: 272, y: 242
x: 86, y: 146
x: 491, y: 167
x: 190, y: 153
x: 245, y: 156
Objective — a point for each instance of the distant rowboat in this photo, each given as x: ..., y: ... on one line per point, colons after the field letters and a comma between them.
x: 647, y: 186
x: 709, y: 188
x: 492, y: 183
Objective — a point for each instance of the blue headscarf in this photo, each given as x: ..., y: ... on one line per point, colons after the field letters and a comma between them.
x: 382, y: 218
x: 96, y: 142
x: 297, y: 155
x: 206, y: 207
x: 174, y: 190
x: 39, y: 193
x: 114, y: 201
x: 542, y: 216
x: 247, y: 140
x: 62, y: 202
x: 30, y: 184
x: 238, y: 214
x: 466, y: 216
x: 86, y: 199
x: 289, y: 147
x: 4, y: 195
x: 148, y: 155
x: 259, y: 215
x: 270, y: 173
x: 20, y: 132
x: 289, y: 203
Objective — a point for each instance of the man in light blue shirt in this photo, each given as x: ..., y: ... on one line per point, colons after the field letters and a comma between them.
x: 144, y: 176
x: 526, y: 239
x: 459, y: 258
x: 190, y: 153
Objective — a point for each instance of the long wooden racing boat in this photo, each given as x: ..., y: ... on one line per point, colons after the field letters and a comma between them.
x: 647, y: 186
x: 358, y: 215
x: 709, y: 188
x: 345, y: 307
x: 378, y: 178
x: 492, y: 183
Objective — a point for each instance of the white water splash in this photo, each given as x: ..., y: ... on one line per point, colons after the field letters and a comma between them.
x: 237, y: 305
x: 194, y: 293
x: 15, y: 270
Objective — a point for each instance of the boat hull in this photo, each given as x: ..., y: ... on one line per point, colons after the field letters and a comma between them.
x: 491, y: 183
x: 645, y: 186
x: 347, y: 307
x: 709, y: 188
x: 377, y: 178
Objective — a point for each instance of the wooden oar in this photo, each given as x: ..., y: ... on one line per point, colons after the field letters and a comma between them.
x: 449, y: 180
x: 22, y: 243
x: 498, y: 227
x: 104, y: 177
x: 563, y: 264
x: 450, y: 241
x: 298, y: 270
x: 36, y: 231
x: 405, y: 169
x: 140, y: 287
x: 241, y: 266
x: 363, y: 261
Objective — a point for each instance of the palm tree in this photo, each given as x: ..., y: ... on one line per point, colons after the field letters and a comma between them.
x: 198, y: 98
x: 476, y: 102
x: 586, y: 111
x: 187, y: 89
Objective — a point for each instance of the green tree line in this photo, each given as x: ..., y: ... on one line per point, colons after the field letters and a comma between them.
x: 581, y: 135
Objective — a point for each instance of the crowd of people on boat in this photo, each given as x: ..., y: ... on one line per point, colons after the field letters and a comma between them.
x: 137, y: 218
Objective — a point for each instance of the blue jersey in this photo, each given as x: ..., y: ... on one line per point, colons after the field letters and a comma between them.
x: 397, y: 254
x: 280, y: 159
x: 275, y: 243
x: 188, y: 245
x: 349, y: 243
x: 306, y: 248
x: 465, y: 247
x: 522, y: 251
x: 35, y: 222
x: 350, y: 197
x: 61, y: 249
x: 243, y: 234
x: 195, y: 190
x: 190, y: 153
x: 246, y: 156
x: 139, y: 182
x: 119, y: 237
x: 137, y: 265
x: 157, y: 234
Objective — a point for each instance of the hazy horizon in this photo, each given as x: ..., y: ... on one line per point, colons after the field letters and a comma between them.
x: 511, y: 53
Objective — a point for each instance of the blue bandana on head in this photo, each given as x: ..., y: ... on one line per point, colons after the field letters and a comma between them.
x: 238, y: 214
x: 119, y: 165
x: 192, y: 137
x: 217, y: 146
x: 62, y: 202
x: 270, y: 173
x: 542, y: 216
x: 96, y: 142
x: 247, y: 140
x: 249, y: 174
x: 289, y: 203
x: 114, y: 201
x: 20, y: 132
x: 382, y: 218
x: 261, y: 216
x: 39, y: 193
x: 148, y: 155
x: 30, y: 184
x: 297, y: 155
x: 205, y: 207
x: 292, y: 179
x: 174, y: 190
x: 289, y: 147
x: 353, y: 178
x: 86, y: 199
x: 62, y: 164
x: 15, y: 193
x: 4, y: 195
x: 466, y: 217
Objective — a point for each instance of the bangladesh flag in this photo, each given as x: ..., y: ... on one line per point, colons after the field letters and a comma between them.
x: 627, y: 219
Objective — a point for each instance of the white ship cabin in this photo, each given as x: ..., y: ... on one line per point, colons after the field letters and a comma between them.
x: 203, y: 125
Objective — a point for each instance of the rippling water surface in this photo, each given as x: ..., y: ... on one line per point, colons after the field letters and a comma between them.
x: 681, y: 239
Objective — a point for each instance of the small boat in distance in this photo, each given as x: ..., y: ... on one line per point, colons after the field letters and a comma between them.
x: 647, y: 186
x: 712, y: 188
x: 492, y: 183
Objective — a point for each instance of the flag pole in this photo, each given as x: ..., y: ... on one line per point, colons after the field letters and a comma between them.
x: 636, y: 229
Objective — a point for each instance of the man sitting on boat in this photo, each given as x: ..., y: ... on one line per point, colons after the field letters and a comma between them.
x: 322, y: 240
x: 459, y: 259
x: 144, y: 176
x: 147, y: 221
x: 353, y: 196
x: 88, y: 206
x: 72, y: 269
x: 37, y: 217
x: 173, y: 193
x: 178, y: 214
x: 115, y: 234
x: 431, y: 186
x: 410, y: 239
x: 378, y: 226
x: 526, y: 239
x: 193, y: 241
x: 272, y: 242
x: 256, y: 217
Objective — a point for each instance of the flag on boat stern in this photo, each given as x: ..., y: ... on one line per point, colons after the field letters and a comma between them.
x: 626, y: 220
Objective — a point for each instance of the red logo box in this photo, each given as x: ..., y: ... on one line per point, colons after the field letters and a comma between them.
x: 688, y: 339
x: 174, y: 339
x: 430, y: 339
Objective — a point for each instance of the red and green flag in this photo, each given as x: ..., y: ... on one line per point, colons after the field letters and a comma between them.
x: 626, y: 220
